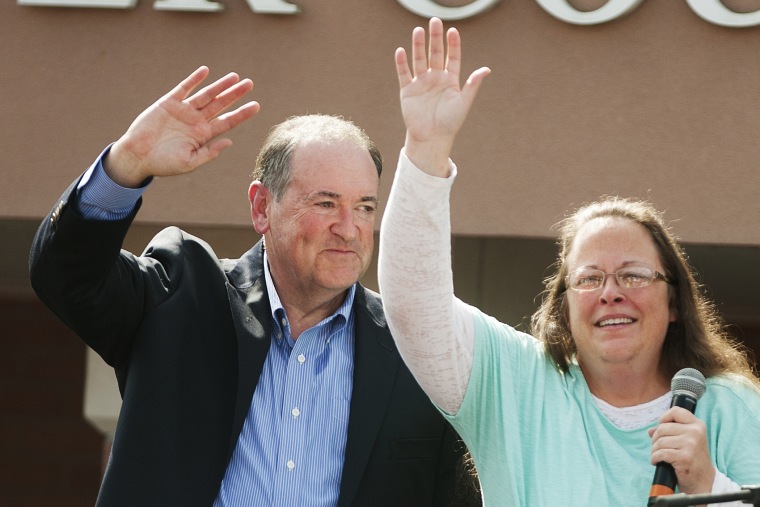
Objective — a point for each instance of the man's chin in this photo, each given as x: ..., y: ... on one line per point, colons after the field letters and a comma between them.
x: 344, y: 279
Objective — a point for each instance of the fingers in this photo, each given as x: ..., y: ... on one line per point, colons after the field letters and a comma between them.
x: 674, y: 422
x: 215, y: 98
x: 419, y: 56
x: 436, y: 57
x: 454, y: 56
x: 680, y: 433
x: 180, y: 131
x: 433, y: 104
x: 402, y: 68
x: 223, y: 97
x: 684, y: 445
x: 218, y: 95
x: 187, y: 85
x: 211, y: 150
x: 679, y: 415
x: 230, y: 120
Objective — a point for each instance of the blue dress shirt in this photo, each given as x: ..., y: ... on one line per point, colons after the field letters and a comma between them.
x: 291, y: 449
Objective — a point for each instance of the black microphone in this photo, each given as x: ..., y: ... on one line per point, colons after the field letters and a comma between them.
x: 688, y: 385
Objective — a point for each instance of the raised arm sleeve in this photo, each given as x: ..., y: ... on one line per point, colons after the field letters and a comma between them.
x: 433, y: 330
x: 100, y: 198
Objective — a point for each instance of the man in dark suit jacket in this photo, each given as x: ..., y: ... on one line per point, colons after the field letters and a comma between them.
x: 195, y: 340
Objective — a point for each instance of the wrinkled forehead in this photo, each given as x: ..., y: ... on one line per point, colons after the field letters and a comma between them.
x: 611, y: 239
x: 343, y: 167
x: 321, y: 153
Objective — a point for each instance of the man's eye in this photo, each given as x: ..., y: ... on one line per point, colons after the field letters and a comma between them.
x: 325, y: 204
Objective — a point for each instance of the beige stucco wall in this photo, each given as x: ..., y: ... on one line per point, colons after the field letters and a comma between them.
x: 658, y: 104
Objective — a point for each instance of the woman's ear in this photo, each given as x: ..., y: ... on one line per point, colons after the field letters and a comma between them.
x: 673, y: 303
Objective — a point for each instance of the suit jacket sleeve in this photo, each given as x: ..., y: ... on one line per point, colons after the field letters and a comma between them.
x: 79, y: 271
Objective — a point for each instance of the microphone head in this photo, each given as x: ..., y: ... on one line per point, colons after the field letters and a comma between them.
x: 690, y: 382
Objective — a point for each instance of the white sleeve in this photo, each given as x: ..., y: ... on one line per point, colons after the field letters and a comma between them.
x: 434, y: 331
x: 722, y: 484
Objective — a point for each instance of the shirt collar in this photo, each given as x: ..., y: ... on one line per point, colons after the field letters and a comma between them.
x: 280, y: 319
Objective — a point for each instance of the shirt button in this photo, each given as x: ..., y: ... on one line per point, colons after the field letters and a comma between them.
x: 291, y: 465
x: 284, y: 322
x: 301, y: 358
x: 295, y: 412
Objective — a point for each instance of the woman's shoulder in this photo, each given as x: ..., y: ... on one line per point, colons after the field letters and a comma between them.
x: 733, y: 390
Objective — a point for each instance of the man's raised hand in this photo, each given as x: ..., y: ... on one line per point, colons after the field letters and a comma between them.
x: 180, y: 131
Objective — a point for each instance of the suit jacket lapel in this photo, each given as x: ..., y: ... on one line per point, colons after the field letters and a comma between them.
x: 376, y: 361
x: 251, y: 313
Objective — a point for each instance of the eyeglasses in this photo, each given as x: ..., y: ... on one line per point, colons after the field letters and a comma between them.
x: 631, y: 277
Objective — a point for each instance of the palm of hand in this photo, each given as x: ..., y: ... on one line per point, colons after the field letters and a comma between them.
x: 432, y: 104
x: 180, y: 131
x: 170, y: 136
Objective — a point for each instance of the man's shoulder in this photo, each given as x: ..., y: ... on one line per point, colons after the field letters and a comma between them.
x: 368, y: 294
x: 173, y: 241
x: 175, y: 235
x: 370, y: 301
x: 180, y: 251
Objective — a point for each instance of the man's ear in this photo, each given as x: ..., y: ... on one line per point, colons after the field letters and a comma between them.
x: 260, y: 198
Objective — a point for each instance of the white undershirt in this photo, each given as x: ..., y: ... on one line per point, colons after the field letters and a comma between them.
x: 636, y: 416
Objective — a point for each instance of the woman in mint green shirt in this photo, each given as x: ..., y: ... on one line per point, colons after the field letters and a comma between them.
x: 579, y: 413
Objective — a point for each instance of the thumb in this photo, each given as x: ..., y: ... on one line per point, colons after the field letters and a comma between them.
x: 472, y: 85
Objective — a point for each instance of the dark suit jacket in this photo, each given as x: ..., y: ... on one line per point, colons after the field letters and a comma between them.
x: 187, y: 334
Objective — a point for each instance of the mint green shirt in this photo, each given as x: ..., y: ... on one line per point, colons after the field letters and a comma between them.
x: 538, y: 438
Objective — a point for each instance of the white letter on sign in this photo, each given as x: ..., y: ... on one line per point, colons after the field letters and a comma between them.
x: 187, y: 5
x: 717, y: 13
x: 260, y: 6
x: 107, y: 4
x: 428, y: 8
x: 273, y: 7
x: 613, y: 9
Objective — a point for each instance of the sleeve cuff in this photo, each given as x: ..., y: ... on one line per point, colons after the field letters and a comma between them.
x: 99, y: 197
x: 722, y: 484
x: 409, y: 170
